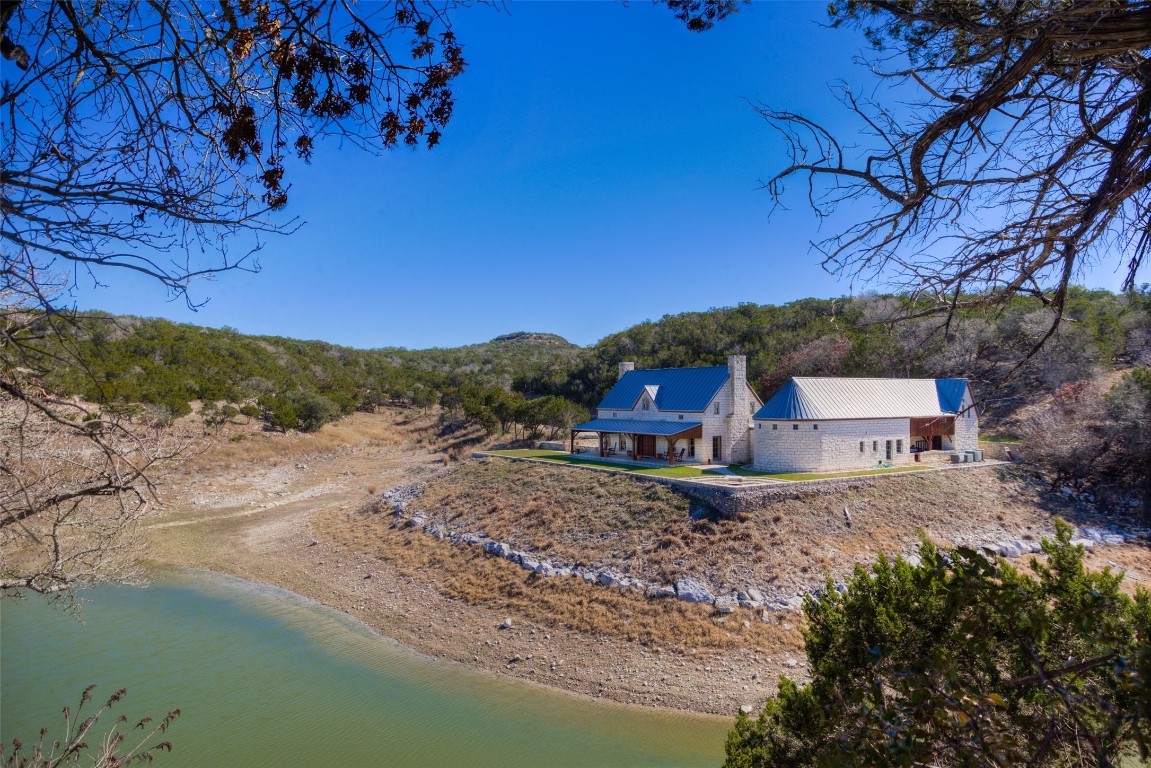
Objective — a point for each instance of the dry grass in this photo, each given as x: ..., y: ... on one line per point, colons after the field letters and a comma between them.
x: 464, y: 573
x: 242, y: 445
x: 786, y: 546
x: 557, y: 512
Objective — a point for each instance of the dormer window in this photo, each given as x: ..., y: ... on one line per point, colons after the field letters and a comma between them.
x: 646, y: 404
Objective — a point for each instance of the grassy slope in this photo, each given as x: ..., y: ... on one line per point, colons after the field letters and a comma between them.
x: 789, y: 545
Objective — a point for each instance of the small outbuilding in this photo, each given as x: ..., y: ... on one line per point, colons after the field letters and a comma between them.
x: 819, y: 424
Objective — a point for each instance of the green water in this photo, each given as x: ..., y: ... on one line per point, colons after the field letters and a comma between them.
x: 266, y: 678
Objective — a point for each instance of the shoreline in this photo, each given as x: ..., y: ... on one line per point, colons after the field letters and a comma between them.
x: 196, y: 573
x: 266, y: 510
x: 288, y: 512
x: 406, y: 611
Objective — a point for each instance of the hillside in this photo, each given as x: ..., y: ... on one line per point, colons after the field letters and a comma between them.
x: 158, y: 362
x: 1101, y: 332
x: 128, y: 359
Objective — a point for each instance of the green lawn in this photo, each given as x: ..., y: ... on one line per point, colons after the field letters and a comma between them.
x: 563, y: 457
x: 744, y: 472
x: 684, y: 470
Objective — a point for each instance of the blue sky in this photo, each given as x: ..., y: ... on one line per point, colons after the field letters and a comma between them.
x: 601, y: 169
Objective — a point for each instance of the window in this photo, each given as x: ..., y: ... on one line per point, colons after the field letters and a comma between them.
x: 815, y: 426
x: 899, y: 446
x: 715, y: 408
x: 775, y: 426
x: 751, y: 407
x: 759, y: 426
x: 646, y: 404
x: 861, y: 446
x: 681, y: 417
x: 615, y: 415
x: 795, y: 426
x: 874, y: 446
x: 691, y: 446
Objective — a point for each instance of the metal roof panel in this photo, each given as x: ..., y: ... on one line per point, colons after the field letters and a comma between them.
x: 805, y: 398
x: 637, y: 426
x: 678, y: 389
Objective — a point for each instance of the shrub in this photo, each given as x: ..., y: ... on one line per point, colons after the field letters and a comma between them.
x: 961, y: 661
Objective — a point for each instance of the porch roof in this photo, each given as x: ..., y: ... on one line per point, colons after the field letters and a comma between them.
x: 661, y: 427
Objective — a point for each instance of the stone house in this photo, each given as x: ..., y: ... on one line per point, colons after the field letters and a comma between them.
x: 818, y: 424
x: 696, y: 415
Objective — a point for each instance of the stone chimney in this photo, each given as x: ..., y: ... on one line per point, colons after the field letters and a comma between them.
x: 739, y: 436
x: 625, y: 367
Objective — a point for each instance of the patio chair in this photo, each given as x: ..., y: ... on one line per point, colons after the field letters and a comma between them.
x: 679, y: 455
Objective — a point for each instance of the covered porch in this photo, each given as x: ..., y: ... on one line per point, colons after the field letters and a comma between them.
x: 640, y: 439
x: 933, y: 433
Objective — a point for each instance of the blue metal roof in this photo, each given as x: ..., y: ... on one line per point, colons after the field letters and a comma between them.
x: 823, y: 398
x: 637, y: 426
x: 678, y: 389
x: 950, y: 394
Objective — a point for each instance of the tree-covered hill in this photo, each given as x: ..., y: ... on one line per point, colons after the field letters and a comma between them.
x: 128, y: 359
x: 1101, y: 332
x: 157, y: 362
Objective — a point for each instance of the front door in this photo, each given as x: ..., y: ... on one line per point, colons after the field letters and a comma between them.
x: 645, y: 445
x: 717, y: 448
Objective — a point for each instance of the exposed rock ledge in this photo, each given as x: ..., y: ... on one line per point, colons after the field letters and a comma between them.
x: 695, y: 590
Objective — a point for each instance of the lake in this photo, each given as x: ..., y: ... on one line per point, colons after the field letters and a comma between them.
x: 265, y: 677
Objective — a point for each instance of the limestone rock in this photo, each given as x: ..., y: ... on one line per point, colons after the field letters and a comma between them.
x: 1007, y: 549
x: 608, y: 579
x: 691, y: 591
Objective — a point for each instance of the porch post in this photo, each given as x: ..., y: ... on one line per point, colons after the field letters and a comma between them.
x: 670, y: 449
x: 573, y: 441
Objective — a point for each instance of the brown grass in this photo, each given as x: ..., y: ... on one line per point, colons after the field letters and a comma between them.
x: 784, y: 547
x: 389, y: 428
x: 464, y: 573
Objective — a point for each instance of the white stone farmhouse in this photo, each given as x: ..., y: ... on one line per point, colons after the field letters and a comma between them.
x: 693, y: 415
x: 819, y: 424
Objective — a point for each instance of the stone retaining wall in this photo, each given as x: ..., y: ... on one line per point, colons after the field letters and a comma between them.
x: 693, y: 590
x: 732, y: 500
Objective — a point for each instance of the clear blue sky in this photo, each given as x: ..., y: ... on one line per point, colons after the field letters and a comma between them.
x: 601, y: 169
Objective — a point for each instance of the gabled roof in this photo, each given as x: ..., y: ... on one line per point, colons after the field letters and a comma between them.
x: 812, y: 398
x: 636, y: 426
x: 676, y: 389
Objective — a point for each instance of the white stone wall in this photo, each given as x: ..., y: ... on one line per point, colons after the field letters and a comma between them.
x: 834, y: 445
x: 738, y: 433
x: 966, y: 426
